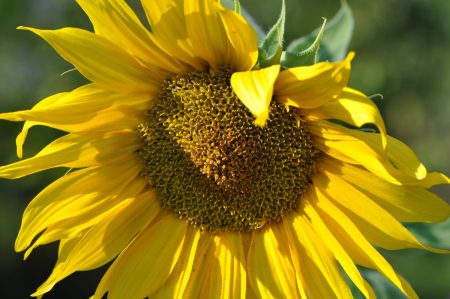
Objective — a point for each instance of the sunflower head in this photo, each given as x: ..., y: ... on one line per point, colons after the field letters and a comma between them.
x: 212, y: 165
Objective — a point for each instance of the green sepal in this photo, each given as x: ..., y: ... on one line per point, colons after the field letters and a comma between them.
x: 272, y: 46
x: 336, y: 37
x: 237, y: 6
x: 308, y: 56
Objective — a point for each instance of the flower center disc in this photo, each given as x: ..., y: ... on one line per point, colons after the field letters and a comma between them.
x: 211, y: 165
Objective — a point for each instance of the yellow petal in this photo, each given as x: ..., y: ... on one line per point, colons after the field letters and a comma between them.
x: 398, y: 164
x: 321, y: 274
x: 99, y: 60
x: 378, y: 226
x: 75, y: 151
x: 243, y: 53
x: 166, y: 18
x: 106, y: 239
x: 88, y: 216
x: 147, y: 262
x: 88, y: 108
x: 312, y: 86
x: 352, y: 107
x: 206, y: 32
x: 405, y: 203
x: 231, y: 276
x: 269, y: 265
x: 220, y: 269
x: 177, y: 283
x: 20, y: 140
x: 254, y: 89
x: 355, y: 244
x: 65, y: 247
x: 73, y: 195
x: 116, y: 21
x: 200, y: 279
x: 339, y: 253
x: 432, y: 179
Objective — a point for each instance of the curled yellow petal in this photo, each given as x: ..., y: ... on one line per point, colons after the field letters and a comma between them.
x: 398, y: 164
x: 312, y: 86
x: 255, y: 89
x: 352, y: 107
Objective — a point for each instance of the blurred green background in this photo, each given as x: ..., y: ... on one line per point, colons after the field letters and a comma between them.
x: 403, y: 52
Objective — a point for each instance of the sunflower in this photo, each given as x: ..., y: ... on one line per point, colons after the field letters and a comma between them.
x: 201, y: 174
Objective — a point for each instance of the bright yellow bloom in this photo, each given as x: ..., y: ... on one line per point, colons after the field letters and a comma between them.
x: 202, y: 175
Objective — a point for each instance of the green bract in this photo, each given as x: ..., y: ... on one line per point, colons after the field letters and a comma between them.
x: 272, y: 46
x: 327, y: 43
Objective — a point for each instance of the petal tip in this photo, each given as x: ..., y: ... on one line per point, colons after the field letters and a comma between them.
x: 261, y: 119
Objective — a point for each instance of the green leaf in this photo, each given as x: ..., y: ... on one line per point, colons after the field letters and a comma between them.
x: 272, y: 46
x: 433, y: 234
x: 336, y: 38
x: 309, y: 56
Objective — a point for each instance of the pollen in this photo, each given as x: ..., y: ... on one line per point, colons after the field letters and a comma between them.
x: 211, y: 165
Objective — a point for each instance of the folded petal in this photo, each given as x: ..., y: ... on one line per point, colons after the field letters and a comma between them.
x: 312, y: 86
x: 352, y: 107
x: 398, y: 164
x: 254, y: 89
x: 100, y: 61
